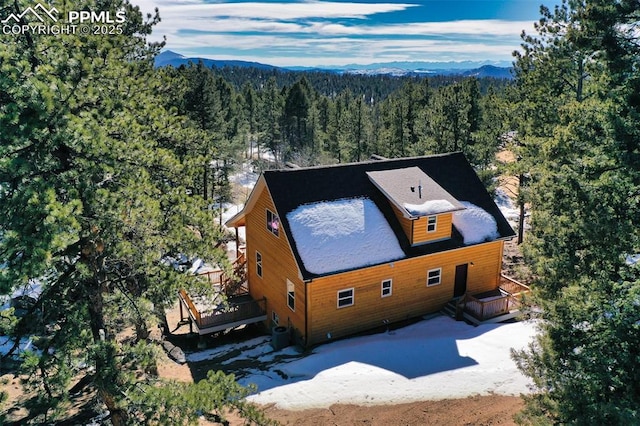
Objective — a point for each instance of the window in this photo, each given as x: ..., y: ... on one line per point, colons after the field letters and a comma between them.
x: 345, y: 298
x: 434, y: 277
x: 259, y: 264
x: 291, y: 296
x: 432, y: 223
x: 273, y: 223
x: 386, y: 288
x: 275, y: 318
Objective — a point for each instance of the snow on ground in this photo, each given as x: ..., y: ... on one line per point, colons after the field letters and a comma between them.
x: 632, y: 259
x: 245, y: 177
x: 342, y: 234
x: 428, y: 207
x: 509, y: 210
x: 32, y: 289
x: 230, y: 210
x: 475, y: 224
x: 433, y: 359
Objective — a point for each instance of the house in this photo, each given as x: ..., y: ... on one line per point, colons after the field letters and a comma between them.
x: 337, y: 250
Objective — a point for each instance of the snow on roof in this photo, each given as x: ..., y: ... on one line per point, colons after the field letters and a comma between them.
x: 342, y: 234
x: 475, y: 224
x: 429, y: 207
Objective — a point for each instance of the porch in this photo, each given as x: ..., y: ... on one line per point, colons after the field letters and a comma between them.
x: 498, y: 305
x: 231, y: 307
x: 210, y: 316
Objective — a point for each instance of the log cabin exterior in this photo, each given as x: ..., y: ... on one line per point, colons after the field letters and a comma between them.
x: 336, y: 250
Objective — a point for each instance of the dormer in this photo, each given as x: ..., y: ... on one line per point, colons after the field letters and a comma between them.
x: 423, y: 208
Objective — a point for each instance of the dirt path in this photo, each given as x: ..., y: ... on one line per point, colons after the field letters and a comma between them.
x: 474, y: 410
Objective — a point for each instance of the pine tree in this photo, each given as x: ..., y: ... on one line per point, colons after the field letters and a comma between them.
x: 580, y: 142
x: 271, y: 113
x: 92, y: 199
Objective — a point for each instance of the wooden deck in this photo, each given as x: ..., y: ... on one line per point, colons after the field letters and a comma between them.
x: 231, y: 306
x: 210, y: 316
x: 498, y: 305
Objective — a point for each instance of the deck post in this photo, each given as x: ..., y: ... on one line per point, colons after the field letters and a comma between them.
x: 202, y: 344
x: 237, y: 242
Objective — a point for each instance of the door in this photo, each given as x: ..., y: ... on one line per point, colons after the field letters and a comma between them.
x: 460, y: 286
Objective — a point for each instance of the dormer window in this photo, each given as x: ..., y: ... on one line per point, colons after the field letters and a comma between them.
x: 423, y: 207
x: 432, y: 222
x: 273, y: 223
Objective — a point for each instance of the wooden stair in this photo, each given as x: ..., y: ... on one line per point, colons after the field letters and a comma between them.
x: 450, y: 309
x: 234, y: 284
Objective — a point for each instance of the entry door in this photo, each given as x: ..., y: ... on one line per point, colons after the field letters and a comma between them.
x: 460, y: 286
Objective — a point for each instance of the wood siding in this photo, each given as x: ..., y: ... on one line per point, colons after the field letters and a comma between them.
x: 442, y: 232
x: 318, y: 301
x: 411, y: 297
x: 416, y: 229
x: 405, y: 222
x: 278, y: 265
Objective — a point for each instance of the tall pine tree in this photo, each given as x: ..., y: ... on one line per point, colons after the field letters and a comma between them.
x: 579, y: 86
x: 92, y: 199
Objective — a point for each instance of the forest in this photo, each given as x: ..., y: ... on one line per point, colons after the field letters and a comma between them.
x: 109, y: 166
x: 311, y: 118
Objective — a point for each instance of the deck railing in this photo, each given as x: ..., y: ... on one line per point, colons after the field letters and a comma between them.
x: 214, y: 277
x: 190, y: 306
x: 230, y: 313
x: 485, y: 309
x: 513, y: 287
x: 235, y: 312
x: 491, y: 307
x: 230, y: 284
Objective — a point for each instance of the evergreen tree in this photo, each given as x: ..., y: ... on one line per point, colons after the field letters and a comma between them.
x: 297, y: 106
x: 92, y: 198
x: 271, y: 113
x: 580, y: 142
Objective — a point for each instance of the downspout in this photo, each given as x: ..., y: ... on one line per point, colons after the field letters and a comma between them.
x: 306, y: 313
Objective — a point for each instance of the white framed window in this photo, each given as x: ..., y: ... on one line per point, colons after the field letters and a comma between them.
x: 386, y: 288
x: 275, y: 318
x: 434, y: 277
x: 291, y: 296
x: 345, y: 298
x: 259, y: 264
x: 273, y: 223
x: 432, y: 223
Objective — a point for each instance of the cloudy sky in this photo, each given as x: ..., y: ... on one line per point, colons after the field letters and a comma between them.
x: 340, y: 32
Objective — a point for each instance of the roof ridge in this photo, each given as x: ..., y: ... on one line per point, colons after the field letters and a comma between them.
x: 365, y: 162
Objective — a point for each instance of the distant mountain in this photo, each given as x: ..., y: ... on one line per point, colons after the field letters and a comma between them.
x: 169, y: 58
x: 483, y: 71
x: 426, y: 66
x: 490, y: 71
x: 465, y: 68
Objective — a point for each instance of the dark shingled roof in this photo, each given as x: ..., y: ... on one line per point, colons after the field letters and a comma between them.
x: 294, y: 187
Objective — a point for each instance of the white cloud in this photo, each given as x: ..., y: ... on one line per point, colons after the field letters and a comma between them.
x: 276, y: 11
x: 309, y: 33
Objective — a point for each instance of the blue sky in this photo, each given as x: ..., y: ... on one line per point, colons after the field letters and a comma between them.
x: 341, y: 32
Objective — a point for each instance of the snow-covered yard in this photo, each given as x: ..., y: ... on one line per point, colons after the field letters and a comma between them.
x: 433, y: 359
